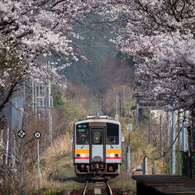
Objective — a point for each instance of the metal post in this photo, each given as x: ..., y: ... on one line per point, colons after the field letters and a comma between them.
x: 50, y: 124
x: 1, y: 141
x: 123, y: 102
x: 128, y: 112
x: 7, y: 148
x: 183, y: 136
x: 42, y: 96
x: 49, y: 106
x: 116, y: 116
x: 35, y: 99
x: 120, y: 101
x: 169, y: 162
x: 137, y: 114
x: 39, y: 94
x: 21, y: 135
x: 22, y: 166
x: 45, y: 96
x: 149, y: 136
x: 128, y: 158
x: 33, y: 96
x: 24, y: 90
x: 168, y: 126
x: 145, y: 165
x: 161, y: 134
x: 193, y: 133
x: 116, y: 105
x: 37, y: 135
x: 13, y: 152
x: 173, y: 146
x: 49, y: 93
x: 178, y: 129
x: 153, y: 170
x: 190, y: 151
x: 38, y: 167
x: 128, y: 153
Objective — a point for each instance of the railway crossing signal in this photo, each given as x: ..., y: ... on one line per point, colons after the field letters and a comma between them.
x: 37, y: 134
x: 21, y: 134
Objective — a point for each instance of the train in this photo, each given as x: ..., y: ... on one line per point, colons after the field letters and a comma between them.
x: 97, y: 147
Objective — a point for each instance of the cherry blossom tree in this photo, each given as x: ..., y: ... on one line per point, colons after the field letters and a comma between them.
x: 30, y: 28
x: 159, y: 34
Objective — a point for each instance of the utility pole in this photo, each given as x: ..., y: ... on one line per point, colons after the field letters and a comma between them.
x: 183, y: 135
x: 24, y: 90
x: 116, y: 104
x: 33, y: 101
x: 116, y: 116
x: 161, y: 134
x: 137, y: 114
x: 49, y: 106
x: 178, y: 130
x: 120, y: 101
x: 7, y: 148
x: 168, y: 126
x: 149, y: 133
x: 123, y: 102
x: 193, y: 134
x: 128, y: 112
x: 173, y: 146
x: 39, y: 94
x: 22, y: 179
x: 190, y: 149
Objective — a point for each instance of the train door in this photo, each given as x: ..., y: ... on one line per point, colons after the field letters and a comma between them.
x: 97, y: 152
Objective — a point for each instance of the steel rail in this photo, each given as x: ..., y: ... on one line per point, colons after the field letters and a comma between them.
x: 85, y: 189
x: 109, y: 188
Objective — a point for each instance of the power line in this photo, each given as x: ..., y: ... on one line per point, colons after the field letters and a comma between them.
x: 168, y: 148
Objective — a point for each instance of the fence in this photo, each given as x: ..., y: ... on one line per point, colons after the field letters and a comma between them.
x: 182, y: 162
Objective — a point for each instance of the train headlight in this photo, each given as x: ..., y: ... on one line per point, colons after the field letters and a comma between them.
x: 113, y: 155
x: 82, y: 155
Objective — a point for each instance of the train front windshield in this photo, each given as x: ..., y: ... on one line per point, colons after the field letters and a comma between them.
x: 112, y: 133
x: 82, y: 134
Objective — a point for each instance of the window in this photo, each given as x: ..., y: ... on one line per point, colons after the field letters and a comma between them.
x: 97, y: 137
x: 82, y: 134
x: 112, y: 133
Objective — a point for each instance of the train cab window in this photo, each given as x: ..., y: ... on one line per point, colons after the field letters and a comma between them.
x: 97, y: 137
x: 112, y: 134
x: 82, y: 135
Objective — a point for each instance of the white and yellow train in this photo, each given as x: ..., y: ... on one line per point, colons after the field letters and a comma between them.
x: 97, y: 147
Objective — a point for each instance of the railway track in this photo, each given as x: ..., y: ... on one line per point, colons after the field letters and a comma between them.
x: 97, y: 187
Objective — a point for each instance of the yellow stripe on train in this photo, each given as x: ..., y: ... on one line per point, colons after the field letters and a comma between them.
x: 107, y: 151
x: 81, y: 151
x: 113, y: 151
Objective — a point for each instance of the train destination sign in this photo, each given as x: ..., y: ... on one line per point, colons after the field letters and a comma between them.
x: 81, y: 130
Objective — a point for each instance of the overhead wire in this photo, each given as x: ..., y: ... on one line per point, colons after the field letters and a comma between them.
x: 168, y: 148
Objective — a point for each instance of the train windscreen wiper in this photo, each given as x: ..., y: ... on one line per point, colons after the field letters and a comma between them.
x: 111, y: 146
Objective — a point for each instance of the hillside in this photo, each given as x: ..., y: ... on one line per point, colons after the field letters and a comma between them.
x: 96, y: 49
